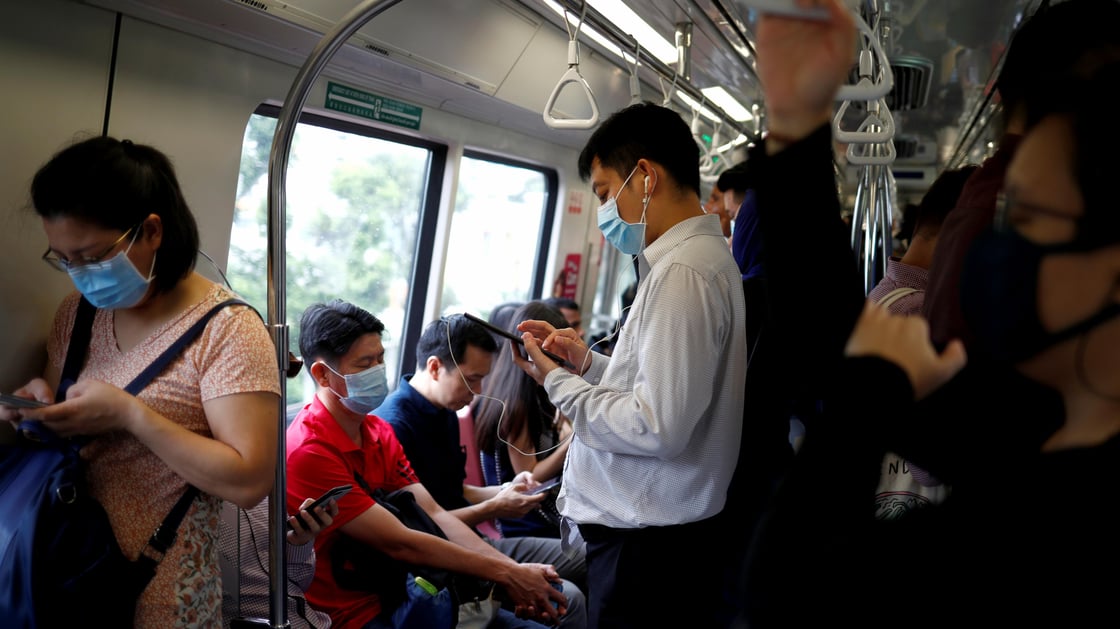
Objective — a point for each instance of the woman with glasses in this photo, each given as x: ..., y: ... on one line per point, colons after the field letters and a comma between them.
x: 116, y: 222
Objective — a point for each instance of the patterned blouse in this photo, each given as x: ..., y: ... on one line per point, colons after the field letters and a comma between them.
x: 234, y: 354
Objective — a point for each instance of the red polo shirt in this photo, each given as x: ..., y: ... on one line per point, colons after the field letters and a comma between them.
x: 322, y: 456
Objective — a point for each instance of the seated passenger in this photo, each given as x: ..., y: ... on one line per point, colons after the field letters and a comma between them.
x: 335, y: 441
x: 519, y: 430
x: 245, y: 562
x: 453, y: 357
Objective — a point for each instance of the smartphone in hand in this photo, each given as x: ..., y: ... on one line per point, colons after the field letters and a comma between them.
x: 516, y: 339
x: 331, y: 494
x: 12, y: 401
x: 545, y: 486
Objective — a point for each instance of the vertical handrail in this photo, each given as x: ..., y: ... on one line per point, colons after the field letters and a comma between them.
x: 277, y: 317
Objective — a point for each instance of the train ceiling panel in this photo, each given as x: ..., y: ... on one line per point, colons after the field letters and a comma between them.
x: 474, y: 42
x: 501, y: 58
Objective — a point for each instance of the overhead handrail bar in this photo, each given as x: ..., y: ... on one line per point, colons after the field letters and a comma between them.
x: 612, y: 32
x: 277, y: 317
x: 572, y: 75
x: 731, y: 22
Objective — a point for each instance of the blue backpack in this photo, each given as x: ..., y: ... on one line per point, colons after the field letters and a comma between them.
x: 60, y: 564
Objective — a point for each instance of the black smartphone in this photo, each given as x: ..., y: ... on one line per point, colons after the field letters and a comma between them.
x: 516, y: 339
x: 12, y: 401
x: 335, y: 493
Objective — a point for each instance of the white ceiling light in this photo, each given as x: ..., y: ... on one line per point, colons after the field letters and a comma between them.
x: 596, y: 36
x: 628, y: 22
x: 704, y: 111
x: 727, y: 103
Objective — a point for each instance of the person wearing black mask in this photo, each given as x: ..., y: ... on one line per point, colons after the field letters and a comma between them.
x: 1028, y: 535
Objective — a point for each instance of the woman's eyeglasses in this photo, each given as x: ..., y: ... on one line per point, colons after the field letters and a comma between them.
x: 64, y: 265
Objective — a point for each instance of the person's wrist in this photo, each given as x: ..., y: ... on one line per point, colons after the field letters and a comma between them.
x: 786, y: 129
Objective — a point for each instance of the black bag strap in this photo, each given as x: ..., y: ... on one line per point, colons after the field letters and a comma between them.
x: 164, y: 536
x: 79, y: 346
x: 159, y: 364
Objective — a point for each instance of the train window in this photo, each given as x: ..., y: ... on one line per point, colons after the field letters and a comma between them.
x: 500, y: 230
x: 356, y: 200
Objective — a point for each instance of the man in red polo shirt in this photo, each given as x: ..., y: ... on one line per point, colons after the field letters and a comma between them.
x: 334, y: 437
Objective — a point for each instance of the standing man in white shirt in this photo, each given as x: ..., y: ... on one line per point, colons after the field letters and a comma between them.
x: 656, y: 424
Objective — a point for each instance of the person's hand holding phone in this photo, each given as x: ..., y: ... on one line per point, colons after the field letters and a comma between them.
x: 314, y: 516
x: 513, y: 500
x: 36, y: 392
x: 540, y: 336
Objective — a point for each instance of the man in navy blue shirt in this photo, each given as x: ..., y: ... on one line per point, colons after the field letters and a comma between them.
x: 453, y: 355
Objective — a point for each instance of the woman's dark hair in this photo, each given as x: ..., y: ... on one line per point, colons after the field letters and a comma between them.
x: 116, y: 184
x: 1096, y: 132
x: 502, y: 313
x: 526, y: 401
x: 1057, y: 41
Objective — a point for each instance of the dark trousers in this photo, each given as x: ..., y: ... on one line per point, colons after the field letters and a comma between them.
x: 660, y: 576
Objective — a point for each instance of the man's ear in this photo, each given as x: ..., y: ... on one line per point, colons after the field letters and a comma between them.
x: 433, y: 366
x: 318, y: 373
x: 649, y: 177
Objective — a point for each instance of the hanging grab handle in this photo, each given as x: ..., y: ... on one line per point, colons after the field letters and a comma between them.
x: 571, y: 76
x: 865, y: 88
x: 877, y: 127
x: 706, y: 164
x: 867, y: 155
x: 635, y: 82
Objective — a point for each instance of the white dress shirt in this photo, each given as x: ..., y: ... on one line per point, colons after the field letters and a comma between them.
x: 657, y: 425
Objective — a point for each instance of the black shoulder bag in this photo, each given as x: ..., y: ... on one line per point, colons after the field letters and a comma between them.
x: 60, y: 564
x: 358, y: 566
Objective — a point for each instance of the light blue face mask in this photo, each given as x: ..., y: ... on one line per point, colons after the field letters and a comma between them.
x: 367, y: 389
x: 113, y: 283
x: 629, y: 238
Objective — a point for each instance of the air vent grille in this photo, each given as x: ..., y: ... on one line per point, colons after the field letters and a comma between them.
x: 256, y: 4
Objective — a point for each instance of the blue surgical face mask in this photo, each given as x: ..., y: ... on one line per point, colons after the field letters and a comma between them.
x: 367, y: 389
x: 113, y: 283
x: 629, y: 238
